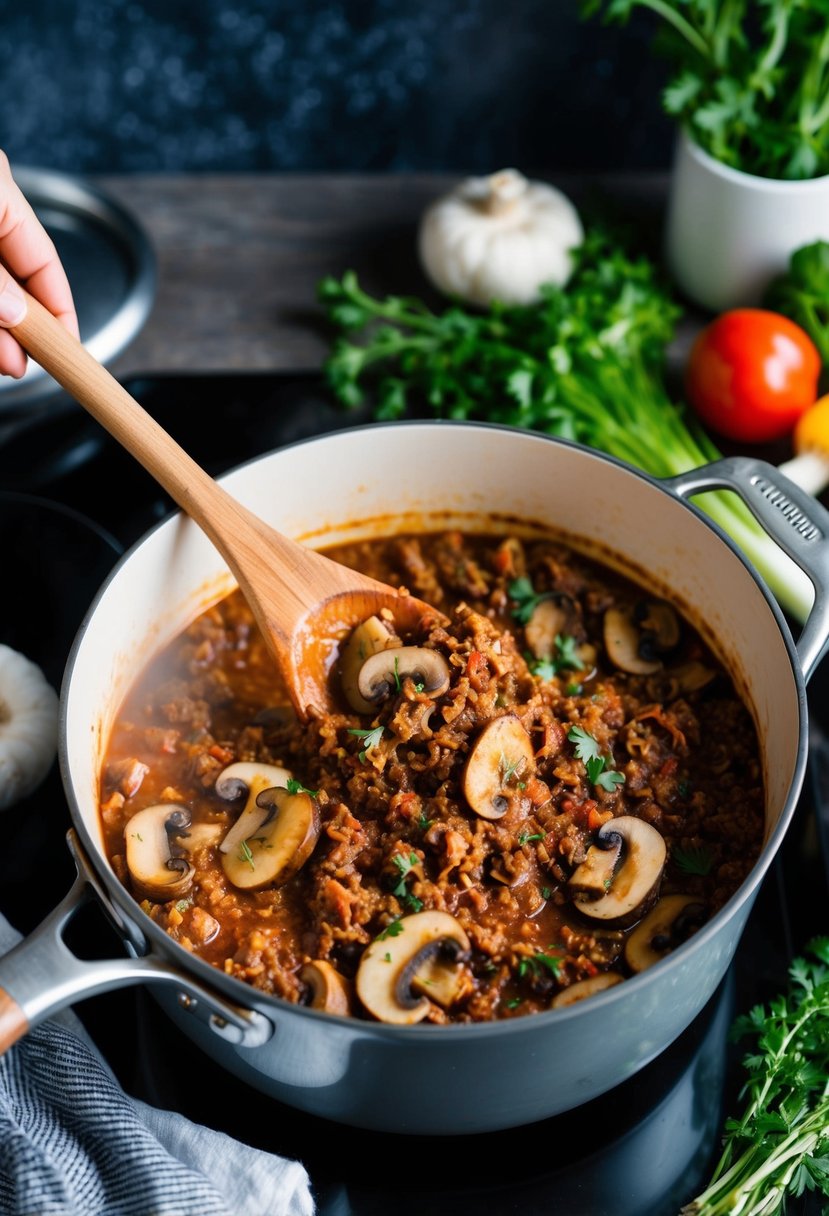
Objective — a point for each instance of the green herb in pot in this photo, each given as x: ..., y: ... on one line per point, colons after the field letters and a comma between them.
x: 752, y: 80
x: 586, y: 363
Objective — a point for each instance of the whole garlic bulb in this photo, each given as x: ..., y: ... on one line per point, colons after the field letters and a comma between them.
x: 28, y: 726
x: 499, y: 238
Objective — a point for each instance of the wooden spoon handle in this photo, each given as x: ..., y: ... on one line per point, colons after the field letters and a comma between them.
x: 236, y: 532
x: 68, y: 361
x: 13, y: 1021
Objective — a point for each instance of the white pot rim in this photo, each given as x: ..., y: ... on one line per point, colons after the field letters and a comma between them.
x: 750, y: 181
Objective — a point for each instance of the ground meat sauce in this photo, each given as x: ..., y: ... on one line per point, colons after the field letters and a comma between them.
x: 487, y: 846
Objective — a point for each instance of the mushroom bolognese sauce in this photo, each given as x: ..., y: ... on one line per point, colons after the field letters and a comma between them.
x: 528, y: 802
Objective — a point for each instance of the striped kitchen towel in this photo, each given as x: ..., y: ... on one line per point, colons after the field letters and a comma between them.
x: 72, y: 1143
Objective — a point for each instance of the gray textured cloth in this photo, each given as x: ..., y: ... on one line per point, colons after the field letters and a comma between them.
x: 72, y: 1143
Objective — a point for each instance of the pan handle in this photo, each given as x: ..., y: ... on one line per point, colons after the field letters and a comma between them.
x: 41, y: 975
x: 791, y: 517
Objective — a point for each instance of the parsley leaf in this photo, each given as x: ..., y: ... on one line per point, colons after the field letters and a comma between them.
x: 521, y: 591
x: 246, y: 855
x: 566, y: 657
x: 692, y: 860
x: 393, y: 929
x: 534, y: 964
x: 371, y: 736
x: 587, y: 750
x: 405, y: 865
x: 296, y: 787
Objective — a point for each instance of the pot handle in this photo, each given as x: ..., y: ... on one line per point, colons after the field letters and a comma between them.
x: 794, y: 519
x: 41, y: 975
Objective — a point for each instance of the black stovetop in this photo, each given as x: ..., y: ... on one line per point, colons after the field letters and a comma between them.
x: 71, y: 501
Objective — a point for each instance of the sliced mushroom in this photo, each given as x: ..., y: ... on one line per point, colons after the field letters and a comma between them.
x: 156, y: 865
x: 281, y: 845
x: 637, y: 637
x: 424, y: 955
x: 594, y: 877
x: 502, y: 753
x: 367, y: 639
x: 583, y: 988
x: 691, y: 676
x: 658, y: 627
x: 202, y: 836
x: 547, y: 621
x: 671, y: 922
x: 635, y: 881
x: 247, y: 777
x: 621, y: 641
x: 329, y: 990
x: 385, y: 671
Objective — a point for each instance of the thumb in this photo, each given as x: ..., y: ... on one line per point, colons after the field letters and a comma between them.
x: 12, y: 300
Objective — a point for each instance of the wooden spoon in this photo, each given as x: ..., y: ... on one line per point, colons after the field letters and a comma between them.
x: 302, y: 601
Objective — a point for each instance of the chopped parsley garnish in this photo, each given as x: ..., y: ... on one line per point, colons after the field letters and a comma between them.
x: 522, y: 593
x: 370, y: 736
x: 183, y: 905
x: 396, y: 674
x: 515, y: 1002
x: 693, y: 860
x: 405, y: 865
x: 565, y: 658
x: 296, y: 787
x: 508, y: 768
x: 526, y: 837
x: 387, y: 957
x: 393, y: 929
x: 587, y: 750
x: 534, y: 964
x: 424, y: 823
x: 545, y: 892
x: 246, y: 855
x: 573, y: 690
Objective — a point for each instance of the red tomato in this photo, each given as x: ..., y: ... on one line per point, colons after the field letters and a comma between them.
x: 751, y: 374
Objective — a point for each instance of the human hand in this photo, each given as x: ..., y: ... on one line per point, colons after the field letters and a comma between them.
x: 27, y: 251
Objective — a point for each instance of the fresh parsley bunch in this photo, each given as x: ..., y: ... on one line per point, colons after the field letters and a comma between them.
x: 752, y: 78
x: 586, y: 363
x: 779, y: 1146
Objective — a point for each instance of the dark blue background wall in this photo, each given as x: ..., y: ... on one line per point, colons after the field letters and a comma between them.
x: 466, y: 85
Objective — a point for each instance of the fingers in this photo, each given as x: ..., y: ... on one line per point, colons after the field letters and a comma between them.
x: 28, y: 252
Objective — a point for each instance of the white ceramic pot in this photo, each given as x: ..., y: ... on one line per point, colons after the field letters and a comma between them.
x: 378, y: 480
x: 730, y: 233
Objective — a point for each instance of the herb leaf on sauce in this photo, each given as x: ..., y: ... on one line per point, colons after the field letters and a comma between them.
x: 693, y: 860
x: 589, y: 752
x: 296, y: 787
x: 371, y: 736
x: 522, y: 593
x: 405, y: 865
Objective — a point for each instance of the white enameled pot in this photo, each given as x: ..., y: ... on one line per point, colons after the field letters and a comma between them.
x: 375, y: 480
